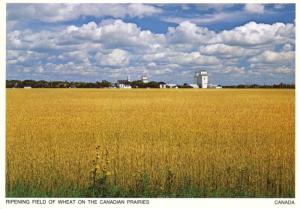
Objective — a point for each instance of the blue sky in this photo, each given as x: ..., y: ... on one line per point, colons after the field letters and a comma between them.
x: 234, y: 43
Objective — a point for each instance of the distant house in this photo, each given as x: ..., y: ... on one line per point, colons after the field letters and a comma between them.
x: 123, y: 84
x: 171, y: 85
x: 195, y: 86
x: 27, y: 87
x: 162, y: 85
x: 213, y: 86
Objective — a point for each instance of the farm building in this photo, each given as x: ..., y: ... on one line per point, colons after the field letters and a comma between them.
x: 162, y: 86
x: 171, y: 85
x: 195, y: 86
x: 201, y: 79
x: 123, y: 84
x: 213, y: 86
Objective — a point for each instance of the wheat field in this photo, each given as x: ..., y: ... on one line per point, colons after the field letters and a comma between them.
x: 150, y: 143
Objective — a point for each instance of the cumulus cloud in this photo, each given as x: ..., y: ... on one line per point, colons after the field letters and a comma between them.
x: 274, y: 57
x: 69, y: 68
x: 226, y: 51
x: 234, y: 70
x: 254, y: 33
x: 205, y: 19
x: 114, y: 33
x: 189, y: 33
x: 193, y: 58
x: 117, y: 57
x: 115, y: 48
x: 284, y: 70
x: 67, y: 12
x: 222, y: 13
x: 24, y: 57
x: 254, y: 8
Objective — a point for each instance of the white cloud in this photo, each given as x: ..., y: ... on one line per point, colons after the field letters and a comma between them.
x: 117, y: 57
x: 225, y: 51
x: 260, y: 69
x: 40, y: 69
x: 234, y: 70
x: 254, y: 33
x: 274, y: 57
x: 115, y: 48
x: 24, y: 56
x: 114, y: 33
x: 69, y: 68
x: 189, y: 33
x: 67, y: 12
x: 206, y: 18
x: 141, y: 10
x: 158, y: 56
x: 108, y: 34
x: 79, y: 56
x: 283, y: 70
x: 194, y: 58
x: 250, y: 34
x: 119, y: 33
x: 220, y: 13
x: 254, y: 8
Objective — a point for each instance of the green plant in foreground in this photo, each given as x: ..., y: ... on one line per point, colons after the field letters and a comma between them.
x: 100, y: 175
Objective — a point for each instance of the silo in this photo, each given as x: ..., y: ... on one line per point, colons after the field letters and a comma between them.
x: 204, y: 79
x: 201, y: 79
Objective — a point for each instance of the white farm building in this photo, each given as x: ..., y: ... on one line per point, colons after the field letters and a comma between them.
x: 201, y: 79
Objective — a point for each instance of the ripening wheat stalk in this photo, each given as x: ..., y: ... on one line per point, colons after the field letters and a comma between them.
x: 159, y: 143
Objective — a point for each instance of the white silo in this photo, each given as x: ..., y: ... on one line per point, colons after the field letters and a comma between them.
x: 202, y: 79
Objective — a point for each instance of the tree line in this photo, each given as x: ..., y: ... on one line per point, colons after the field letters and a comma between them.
x: 56, y: 84
x: 107, y: 84
x: 280, y: 85
x: 70, y: 84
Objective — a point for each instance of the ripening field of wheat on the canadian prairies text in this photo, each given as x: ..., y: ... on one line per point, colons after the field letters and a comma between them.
x: 150, y: 143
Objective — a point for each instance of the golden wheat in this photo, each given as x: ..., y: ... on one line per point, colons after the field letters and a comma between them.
x: 214, y: 140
